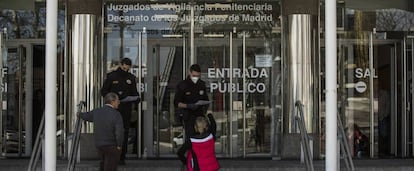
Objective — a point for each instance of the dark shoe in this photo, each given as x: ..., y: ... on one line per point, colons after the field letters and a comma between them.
x: 122, y: 162
x: 181, y: 156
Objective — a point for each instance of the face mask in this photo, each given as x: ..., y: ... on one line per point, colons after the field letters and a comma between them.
x: 195, y: 79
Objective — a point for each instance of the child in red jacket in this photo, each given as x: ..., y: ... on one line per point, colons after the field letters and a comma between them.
x: 201, y: 155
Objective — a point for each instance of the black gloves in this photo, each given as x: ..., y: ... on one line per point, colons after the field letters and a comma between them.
x: 192, y: 106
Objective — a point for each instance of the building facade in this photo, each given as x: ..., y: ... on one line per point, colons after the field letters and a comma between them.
x: 257, y: 57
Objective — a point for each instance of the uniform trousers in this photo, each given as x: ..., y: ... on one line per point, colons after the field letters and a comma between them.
x: 125, y: 110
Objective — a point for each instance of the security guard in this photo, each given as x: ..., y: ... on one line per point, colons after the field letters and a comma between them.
x: 124, y: 85
x: 188, y: 92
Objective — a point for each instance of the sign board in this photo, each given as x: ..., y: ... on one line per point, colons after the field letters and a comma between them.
x: 263, y: 60
x: 360, y: 86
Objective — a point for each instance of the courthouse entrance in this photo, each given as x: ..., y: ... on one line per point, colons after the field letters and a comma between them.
x: 238, y: 48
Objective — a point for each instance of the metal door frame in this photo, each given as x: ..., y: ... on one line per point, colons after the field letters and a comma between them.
x: 372, y: 43
x: 411, y: 38
x: 28, y: 89
x: 408, y: 104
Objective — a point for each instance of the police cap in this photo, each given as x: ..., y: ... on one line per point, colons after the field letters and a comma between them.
x: 126, y: 61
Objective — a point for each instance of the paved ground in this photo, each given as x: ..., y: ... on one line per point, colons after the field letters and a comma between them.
x: 227, y: 165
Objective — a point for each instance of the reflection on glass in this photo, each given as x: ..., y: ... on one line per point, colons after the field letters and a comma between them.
x: 168, y: 27
x: 355, y: 92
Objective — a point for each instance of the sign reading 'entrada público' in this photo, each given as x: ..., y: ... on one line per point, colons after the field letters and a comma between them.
x: 237, y: 73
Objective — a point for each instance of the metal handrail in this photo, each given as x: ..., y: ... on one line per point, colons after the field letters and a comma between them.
x: 304, y: 136
x: 349, y: 164
x: 75, y: 140
x: 34, y: 158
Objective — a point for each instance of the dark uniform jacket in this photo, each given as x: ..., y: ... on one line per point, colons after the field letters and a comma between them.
x: 187, y: 92
x: 120, y: 82
x: 108, y: 126
x: 123, y: 84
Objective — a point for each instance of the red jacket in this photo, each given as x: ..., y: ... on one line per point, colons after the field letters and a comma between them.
x: 205, y: 156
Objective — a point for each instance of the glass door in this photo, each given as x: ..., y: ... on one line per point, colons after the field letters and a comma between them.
x: 158, y: 64
x: 168, y: 68
x: 14, y: 127
x: 260, y: 116
x: 213, y: 53
x: 367, y: 92
x: 22, y: 95
x: 238, y: 70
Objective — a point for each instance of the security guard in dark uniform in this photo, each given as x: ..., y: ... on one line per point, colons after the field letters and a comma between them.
x: 124, y: 85
x: 188, y: 92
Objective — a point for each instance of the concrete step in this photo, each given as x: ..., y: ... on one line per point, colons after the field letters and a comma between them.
x: 226, y: 165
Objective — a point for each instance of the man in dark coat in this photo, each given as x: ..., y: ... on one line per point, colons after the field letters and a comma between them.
x: 124, y: 85
x: 108, y: 131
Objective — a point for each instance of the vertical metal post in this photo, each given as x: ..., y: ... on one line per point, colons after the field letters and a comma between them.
x: 138, y: 133
x: 394, y: 98
x: 371, y: 93
x: 404, y: 103
x: 83, y: 70
x: 412, y: 96
x: 20, y: 51
x: 66, y: 83
x: 158, y: 110
x: 148, y: 120
x: 331, y: 162
x: 27, y: 86
x: 231, y: 95
x: 244, y: 95
x: 192, y: 58
x: 2, y: 50
x: 50, y: 85
x: 300, y: 72
x: 184, y: 57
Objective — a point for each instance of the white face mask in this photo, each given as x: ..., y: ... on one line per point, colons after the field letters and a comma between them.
x: 195, y: 79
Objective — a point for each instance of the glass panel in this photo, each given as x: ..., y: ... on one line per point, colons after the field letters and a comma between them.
x: 409, y: 53
x: 406, y: 123
x: 213, y: 55
x: 383, y: 56
x: 170, y: 72
x: 354, y: 92
x: 392, y: 118
x: 29, y: 24
x: 261, y: 67
x: 13, y: 114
